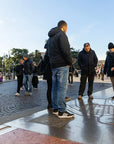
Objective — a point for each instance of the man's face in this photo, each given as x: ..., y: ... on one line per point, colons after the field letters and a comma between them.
x: 21, y: 61
x: 34, y: 63
x: 64, y: 28
x: 25, y: 58
x: 87, y: 48
x: 112, y: 50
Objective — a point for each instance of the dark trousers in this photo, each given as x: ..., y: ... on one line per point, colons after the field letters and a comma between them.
x: 49, y: 88
x: 19, y: 82
x: 70, y: 78
x: 83, y: 84
x: 35, y: 81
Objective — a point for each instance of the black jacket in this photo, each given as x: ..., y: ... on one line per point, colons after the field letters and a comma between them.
x: 28, y: 67
x: 19, y: 70
x: 35, y: 71
x: 109, y: 63
x: 87, y: 62
x: 47, y: 67
x: 58, y: 48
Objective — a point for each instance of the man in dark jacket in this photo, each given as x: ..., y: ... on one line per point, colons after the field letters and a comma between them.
x: 35, y: 76
x: 87, y: 61
x: 19, y: 73
x: 48, y: 76
x: 109, y: 64
x: 28, y: 74
x: 60, y: 60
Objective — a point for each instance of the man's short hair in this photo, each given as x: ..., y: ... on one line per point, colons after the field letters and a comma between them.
x: 110, y: 45
x: 61, y: 23
x: 86, y: 44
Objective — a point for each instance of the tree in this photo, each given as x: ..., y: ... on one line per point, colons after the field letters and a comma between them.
x: 35, y: 56
x: 17, y: 54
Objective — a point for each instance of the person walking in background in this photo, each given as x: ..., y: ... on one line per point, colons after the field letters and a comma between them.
x: 102, y: 72
x: 87, y: 61
x: 109, y: 64
x: 19, y: 73
x: 28, y: 74
x: 71, y: 73
x: 35, y: 77
x: 60, y: 60
x: 1, y: 77
x: 98, y: 71
x: 48, y: 76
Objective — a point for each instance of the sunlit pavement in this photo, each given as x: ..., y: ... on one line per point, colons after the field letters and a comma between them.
x: 93, y: 122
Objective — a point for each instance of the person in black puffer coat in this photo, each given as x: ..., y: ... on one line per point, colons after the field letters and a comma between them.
x: 109, y: 64
x: 87, y: 61
x: 19, y: 73
x: 48, y: 76
x: 35, y: 77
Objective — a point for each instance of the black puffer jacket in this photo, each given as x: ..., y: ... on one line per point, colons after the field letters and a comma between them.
x: 58, y: 48
x: 28, y: 67
x: 47, y: 67
x: 19, y: 70
x: 109, y: 63
x: 87, y: 62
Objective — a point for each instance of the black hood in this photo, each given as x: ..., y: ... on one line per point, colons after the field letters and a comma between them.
x: 54, y: 31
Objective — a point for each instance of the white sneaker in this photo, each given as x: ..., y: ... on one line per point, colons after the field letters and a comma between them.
x: 65, y: 115
x: 17, y: 94
x: 55, y: 112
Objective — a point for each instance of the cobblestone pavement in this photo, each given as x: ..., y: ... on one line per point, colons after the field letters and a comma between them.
x: 12, y: 107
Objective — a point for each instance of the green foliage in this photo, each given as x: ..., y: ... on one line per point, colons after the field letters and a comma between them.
x: 35, y: 56
x: 9, y: 61
x: 17, y: 54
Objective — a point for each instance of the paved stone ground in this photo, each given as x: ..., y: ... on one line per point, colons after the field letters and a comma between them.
x: 12, y: 107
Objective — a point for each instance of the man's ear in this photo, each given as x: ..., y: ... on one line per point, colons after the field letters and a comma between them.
x: 62, y: 29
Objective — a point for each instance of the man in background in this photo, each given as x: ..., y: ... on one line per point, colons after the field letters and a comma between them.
x: 19, y: 73
x: 87, y: 61
x: 28, y: 74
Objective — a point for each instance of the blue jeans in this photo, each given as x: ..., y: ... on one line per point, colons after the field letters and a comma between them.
x: 59, y: 87
x: 27, y: 82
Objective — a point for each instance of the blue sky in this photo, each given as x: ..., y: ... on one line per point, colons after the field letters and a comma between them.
x: 25, y: 23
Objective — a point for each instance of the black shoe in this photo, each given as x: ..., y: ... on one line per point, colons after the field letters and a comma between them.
x: 55, y: 111
x: 65, y: 115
